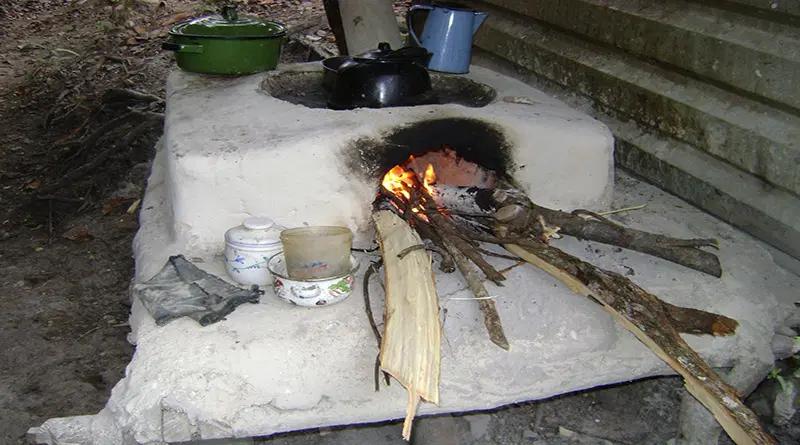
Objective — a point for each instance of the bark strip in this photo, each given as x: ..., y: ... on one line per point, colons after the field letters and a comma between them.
x: 410, y: 347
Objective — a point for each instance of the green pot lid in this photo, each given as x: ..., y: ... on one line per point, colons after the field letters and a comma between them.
x: 228, y: 25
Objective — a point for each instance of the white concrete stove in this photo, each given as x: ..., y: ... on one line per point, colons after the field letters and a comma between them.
x: 231, y: 150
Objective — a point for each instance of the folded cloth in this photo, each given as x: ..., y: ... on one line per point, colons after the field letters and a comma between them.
x: 180, y: 289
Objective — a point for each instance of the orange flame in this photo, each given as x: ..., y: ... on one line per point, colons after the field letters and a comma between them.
x: 399, y: 181
x: 429, y: 179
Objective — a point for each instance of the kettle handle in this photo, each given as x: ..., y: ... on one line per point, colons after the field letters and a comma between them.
x: 409, y: 18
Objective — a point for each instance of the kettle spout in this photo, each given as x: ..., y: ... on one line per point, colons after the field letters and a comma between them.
x: 478, y: 19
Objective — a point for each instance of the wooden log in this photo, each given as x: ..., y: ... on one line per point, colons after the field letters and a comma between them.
x: 410, y: 348
x: 652, y: 322
x: 521, y: 216
x: 685, y: 252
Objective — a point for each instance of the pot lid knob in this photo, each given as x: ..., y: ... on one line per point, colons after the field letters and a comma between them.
x: 258, y: 223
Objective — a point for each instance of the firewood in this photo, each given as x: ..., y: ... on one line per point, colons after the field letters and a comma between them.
x: 461, y: 249
x: 655, y: 324
x: 410, y: 347
x: 450, y: 233
x: 459, y: 218
x: 519, y: 214
x: 491, y: 319
x: 420, y: 209
x: 685, y: 252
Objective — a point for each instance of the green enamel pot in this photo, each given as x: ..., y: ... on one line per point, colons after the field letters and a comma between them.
x: 226, y: 44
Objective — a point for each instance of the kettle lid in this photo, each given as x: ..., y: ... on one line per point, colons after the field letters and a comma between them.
x: 385, y: 53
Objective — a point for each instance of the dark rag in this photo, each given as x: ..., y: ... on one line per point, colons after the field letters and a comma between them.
x: 181, y: 289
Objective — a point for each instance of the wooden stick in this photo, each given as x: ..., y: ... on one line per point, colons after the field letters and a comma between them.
x: 651, y: 321
x: 491, y: 319
x: 512, y: 207
x: 448, y: 232
x: 680, y: 251
x: 461, y: 249
x: 683, y: 252
x: 447, y: 229
x: 373, y: 268
x: 410, y: 348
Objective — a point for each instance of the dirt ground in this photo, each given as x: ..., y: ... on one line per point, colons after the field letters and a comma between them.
x: 74, y: 157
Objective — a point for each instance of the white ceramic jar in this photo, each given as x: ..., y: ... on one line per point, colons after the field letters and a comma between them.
x: 248, y: 249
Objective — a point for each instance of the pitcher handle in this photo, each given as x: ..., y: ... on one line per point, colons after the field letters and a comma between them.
x: 410, y: 16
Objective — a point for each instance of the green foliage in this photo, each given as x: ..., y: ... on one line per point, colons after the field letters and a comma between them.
x: 793, y: 371
x: 775, y: 374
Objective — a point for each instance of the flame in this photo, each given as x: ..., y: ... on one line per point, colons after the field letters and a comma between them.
x: 429, y: 179
x: 399, y: 181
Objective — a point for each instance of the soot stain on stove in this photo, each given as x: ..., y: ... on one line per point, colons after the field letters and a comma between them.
x: 474, y: 140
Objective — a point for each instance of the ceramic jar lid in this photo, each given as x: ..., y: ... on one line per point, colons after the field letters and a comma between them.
x: 255, y: 233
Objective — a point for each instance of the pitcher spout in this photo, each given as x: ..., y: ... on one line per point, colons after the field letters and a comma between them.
x: 478, y: 19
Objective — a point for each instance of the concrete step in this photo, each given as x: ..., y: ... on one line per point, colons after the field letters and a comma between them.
x: 768, y: 8
x: 750, y: 54
x: 726, y: 192
x: 732, y: 195
x: 755, y: 137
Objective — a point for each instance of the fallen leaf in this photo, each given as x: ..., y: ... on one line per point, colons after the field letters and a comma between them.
x: 135, y: 206
x: 78, y: 233
x: 111, y: 204
x: 33, y: 185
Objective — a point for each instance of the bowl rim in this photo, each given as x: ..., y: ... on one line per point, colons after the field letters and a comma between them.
x: 354, y: 265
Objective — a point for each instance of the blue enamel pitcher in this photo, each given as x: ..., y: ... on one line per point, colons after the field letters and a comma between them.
x: 447, y: 34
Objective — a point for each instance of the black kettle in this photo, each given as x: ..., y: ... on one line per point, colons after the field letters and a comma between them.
x: 379, y: 78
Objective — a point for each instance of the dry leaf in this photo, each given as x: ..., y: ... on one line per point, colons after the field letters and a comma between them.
x: 112, y: 204
x: 33, y: 185
x: 78, y: 233
x: 134, y: 207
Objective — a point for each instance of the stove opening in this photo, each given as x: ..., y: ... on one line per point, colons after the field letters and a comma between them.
x: 461, y: 151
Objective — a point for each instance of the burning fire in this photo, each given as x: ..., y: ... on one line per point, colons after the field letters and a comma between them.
x: 429, y: 178
x: 400, y: 181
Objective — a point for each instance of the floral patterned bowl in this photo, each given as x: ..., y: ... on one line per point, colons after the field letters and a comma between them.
x: 318, y: 292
